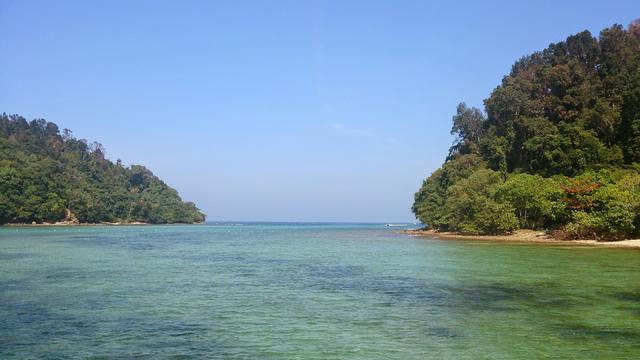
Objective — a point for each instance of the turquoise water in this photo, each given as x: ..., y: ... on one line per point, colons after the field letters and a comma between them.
x: 308, y: 291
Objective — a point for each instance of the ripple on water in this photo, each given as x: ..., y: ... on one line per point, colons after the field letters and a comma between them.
x: 270, y: 292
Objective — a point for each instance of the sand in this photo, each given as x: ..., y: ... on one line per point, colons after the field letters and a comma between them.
x: 524, y: 236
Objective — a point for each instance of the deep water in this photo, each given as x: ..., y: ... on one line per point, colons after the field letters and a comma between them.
x: 308, y: 291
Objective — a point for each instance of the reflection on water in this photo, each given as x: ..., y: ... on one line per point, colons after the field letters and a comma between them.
x: 308, y: 291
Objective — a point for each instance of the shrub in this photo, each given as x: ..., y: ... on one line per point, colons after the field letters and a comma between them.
x: 536, y: 200
x: 473, y: 209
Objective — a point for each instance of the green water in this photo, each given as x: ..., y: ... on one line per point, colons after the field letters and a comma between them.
x: 308, y: 291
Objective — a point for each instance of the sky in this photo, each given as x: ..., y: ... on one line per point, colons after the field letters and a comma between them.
x: 276, y: 110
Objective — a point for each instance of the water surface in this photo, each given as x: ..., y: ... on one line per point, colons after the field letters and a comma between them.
x: 308, y: 291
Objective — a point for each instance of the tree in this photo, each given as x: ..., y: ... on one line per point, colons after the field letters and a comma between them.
x: 473, y: 207
x: 47, y: 177
x: 429, y: 204
x: 557, y: 149
x: 468, y: 124
x: 537, y: 201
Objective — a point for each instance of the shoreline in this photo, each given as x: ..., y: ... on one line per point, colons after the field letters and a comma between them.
x: 523, y: 236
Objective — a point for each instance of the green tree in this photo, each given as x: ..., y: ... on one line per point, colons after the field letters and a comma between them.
x: 473, y: 208
x: 47, y: 177
x: 468, y: 125
x: 537, y: 201
x: 560, y: 139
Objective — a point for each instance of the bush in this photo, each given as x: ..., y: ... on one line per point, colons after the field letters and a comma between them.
x: 473, y: 209
x: 537, y: 201
x: 612, y: 214
x: 497, y: 218
x: 429, y: 206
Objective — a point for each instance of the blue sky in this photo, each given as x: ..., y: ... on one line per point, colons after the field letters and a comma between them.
x: 276, y: 110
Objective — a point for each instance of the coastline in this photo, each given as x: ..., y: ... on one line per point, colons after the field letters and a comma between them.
x: 523, y: 236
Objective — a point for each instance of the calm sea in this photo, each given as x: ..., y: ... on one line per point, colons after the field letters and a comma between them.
x: 308, y: 291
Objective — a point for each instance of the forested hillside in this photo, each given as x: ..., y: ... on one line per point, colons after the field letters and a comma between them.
x: 557, y: 146
x: 46, y: 176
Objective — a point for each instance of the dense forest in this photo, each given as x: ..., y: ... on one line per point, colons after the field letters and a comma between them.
x: 48, y: 176
x: 557, y: 146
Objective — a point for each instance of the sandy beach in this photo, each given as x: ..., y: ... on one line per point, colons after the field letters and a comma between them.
x: 526, y: 236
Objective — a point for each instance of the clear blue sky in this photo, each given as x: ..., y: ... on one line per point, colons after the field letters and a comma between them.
x: 275, y: 110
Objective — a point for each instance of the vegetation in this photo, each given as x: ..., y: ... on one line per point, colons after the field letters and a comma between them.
x: 46, y: 176
x: 557, y: 147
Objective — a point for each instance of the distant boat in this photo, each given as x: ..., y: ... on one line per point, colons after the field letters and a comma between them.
x: 395, y: 224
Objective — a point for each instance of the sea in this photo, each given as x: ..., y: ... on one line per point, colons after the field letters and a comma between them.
x: 239, y: 290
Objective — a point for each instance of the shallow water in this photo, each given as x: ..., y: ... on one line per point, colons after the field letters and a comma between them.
x: 309, y: 291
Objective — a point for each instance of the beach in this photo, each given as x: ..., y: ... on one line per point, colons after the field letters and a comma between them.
x: 526, y: 236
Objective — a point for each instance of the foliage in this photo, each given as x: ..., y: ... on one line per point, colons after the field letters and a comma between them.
x: 430, y: 200
x: 557, y: 147
x: 536, y: 200
x: 473, y: 207
x: 468, y: 127
x: 610, y: 211
x: 46, y: 176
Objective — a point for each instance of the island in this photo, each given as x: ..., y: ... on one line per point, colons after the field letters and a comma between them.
x: 556, y: 149
x: 49, y: 177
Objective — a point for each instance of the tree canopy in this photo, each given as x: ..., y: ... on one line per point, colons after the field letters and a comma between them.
x: 49, y: 176
x: 556, y: 147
